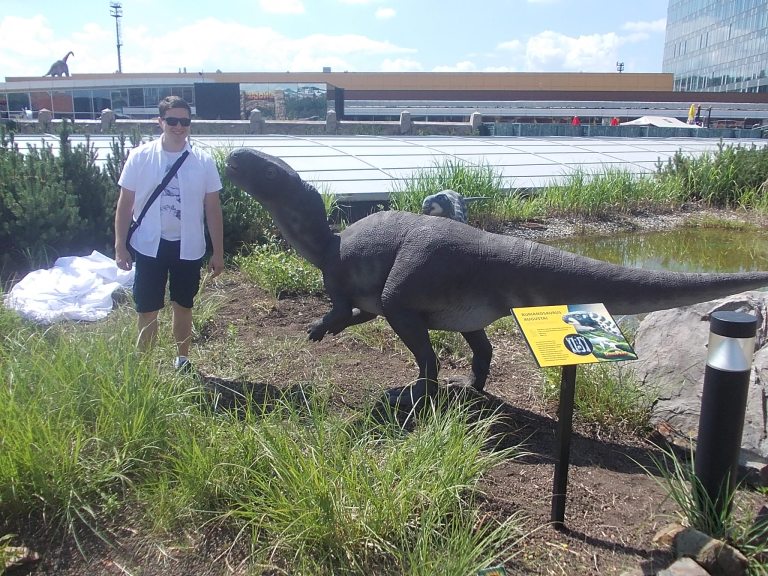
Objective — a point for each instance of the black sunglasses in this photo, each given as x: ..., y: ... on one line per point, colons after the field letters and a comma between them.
x: 171, y: 121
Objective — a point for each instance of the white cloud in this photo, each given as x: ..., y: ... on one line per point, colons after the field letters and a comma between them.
x: 30, y: 47
x: 654, y: 26
x: 233, y: 47
x: 500, y: 69
x: 464, y: 66
x: 400, y: 65
x: 199, y: 46
x: 282, y: 6
x: 512, y: 45
x: 592, y: 53
x: 385, y: 13
x: 553, y: 51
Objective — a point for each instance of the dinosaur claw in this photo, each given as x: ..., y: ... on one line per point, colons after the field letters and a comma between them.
x: 316, y: 331
x: 469, y: 381
x: 408, y: 398
x: 315, y: 336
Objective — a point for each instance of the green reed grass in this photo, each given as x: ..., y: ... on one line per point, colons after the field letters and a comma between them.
x: 731, y: 177
x: 78, y: 412
x: 281, y: 272
x: 351, y: 497
x: 610, y: 191
x: 466, y: 179
x: 91, y: 430
x: 606, y: 396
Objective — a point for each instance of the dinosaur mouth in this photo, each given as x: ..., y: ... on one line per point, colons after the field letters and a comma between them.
x: 231, y: 169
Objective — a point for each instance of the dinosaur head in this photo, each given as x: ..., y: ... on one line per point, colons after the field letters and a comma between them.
x: 446, y: 203
x: 260, y: 175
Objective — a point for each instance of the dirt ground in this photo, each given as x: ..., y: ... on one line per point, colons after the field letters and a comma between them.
x: 613, y: 506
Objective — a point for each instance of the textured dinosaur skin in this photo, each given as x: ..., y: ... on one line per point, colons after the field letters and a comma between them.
x: 423, y: 273
x: 60, y: 68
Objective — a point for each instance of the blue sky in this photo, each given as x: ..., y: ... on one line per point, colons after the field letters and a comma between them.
x: 351, y: 35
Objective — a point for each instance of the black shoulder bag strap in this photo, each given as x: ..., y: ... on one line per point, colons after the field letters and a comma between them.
x: 161, y: 186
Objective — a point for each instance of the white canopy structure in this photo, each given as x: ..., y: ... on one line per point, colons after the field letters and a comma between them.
x: 660, y: 121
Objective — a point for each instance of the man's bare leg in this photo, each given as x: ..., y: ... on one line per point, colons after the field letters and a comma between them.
x: 147, y: 324
x: 182, y: 328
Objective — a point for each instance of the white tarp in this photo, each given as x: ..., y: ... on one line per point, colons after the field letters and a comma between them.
x: 76, y: 288
x: 660, y: 121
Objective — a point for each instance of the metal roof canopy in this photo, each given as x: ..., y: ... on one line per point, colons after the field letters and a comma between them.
x: 368, y: 168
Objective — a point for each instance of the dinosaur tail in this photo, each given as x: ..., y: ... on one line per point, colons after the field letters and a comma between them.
x: 633, y: 291
x: 559, y: 277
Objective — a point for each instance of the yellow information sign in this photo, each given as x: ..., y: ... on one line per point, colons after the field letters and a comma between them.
x: 572, y: 334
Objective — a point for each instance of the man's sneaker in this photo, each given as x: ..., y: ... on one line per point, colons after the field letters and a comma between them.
x: 182, y: 365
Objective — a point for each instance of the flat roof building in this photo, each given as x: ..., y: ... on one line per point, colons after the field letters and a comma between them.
x: 540, y: 97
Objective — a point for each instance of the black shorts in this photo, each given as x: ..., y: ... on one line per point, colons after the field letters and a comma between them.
x: 152, y: 275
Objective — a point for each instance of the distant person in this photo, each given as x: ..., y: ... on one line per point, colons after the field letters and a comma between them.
x: 614, y: 121
x: 576, y: 121
x: 697, y: 117
x: 169, y: 243
x: 691, y: 113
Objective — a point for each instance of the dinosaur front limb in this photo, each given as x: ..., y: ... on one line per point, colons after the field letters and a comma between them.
x: 334, y: 322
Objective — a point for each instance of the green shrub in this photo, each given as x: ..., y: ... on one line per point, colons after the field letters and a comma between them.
x: 52, y: 204
x: 95, y: 193
x: 39, y: 211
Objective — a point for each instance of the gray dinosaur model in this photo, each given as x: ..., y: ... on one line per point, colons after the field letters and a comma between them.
x: 423, y: 273
x: 60, y: 68
x: 446, y: 203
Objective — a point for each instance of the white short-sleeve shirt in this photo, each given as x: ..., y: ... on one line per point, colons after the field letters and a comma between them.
x: 198, y: 175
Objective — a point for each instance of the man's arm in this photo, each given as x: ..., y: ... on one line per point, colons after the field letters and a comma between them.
x: 215, y: 221
x: 123, y: 217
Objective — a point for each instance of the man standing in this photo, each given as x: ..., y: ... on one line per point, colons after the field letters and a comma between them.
x: 169, y: 243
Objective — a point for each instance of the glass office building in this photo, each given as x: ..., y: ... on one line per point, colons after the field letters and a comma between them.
x: 717, y: 45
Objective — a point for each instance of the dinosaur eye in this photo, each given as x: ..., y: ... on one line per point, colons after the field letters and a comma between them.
x: 270, y: 173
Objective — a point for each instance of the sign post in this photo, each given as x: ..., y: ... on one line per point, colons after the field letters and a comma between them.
x: 564, y: 427
x: 566, y: 336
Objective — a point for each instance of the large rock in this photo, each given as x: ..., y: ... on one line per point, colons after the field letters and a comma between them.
x: 672, y: 347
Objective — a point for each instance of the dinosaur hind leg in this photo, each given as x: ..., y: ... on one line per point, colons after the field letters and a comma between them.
x: 413, y: 332
x: 482, y: 352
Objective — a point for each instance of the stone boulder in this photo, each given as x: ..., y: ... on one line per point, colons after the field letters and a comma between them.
x: 672, y: 350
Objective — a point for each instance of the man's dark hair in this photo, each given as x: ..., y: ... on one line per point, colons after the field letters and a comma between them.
x: 173, y: 102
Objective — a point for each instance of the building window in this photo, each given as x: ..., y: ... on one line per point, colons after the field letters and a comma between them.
x: 17, y: 103
x: 136, y: 97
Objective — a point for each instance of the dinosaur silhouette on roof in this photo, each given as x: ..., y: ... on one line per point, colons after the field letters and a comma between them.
x: 60, y: 68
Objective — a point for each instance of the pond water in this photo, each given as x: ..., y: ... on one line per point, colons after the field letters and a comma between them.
x: 681, y: 250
